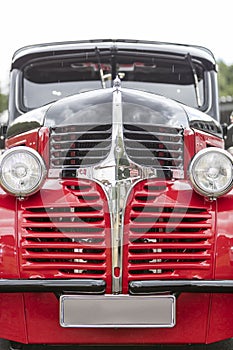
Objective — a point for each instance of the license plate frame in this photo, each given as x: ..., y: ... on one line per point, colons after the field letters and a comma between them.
x: 117, y: 311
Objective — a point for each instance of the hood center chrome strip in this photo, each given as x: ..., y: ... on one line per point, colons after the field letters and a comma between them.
x: 117, y: 175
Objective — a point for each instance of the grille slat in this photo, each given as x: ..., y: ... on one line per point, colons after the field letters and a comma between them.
x: 69, y: 266
x: 166, y: 235
x: 72, y: 235
x: 172, y: 256
x: 151, y: 160
x: 62, y: 245
x: 53, y: 216
x: 156, y: 225
x: 165, y: 266
x: 168, y: 245
x: 65, y: 256
x: 61, y: 225
x: 163, y: 215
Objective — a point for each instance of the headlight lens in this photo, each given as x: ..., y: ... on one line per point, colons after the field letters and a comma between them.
x: 22, y: 171
x: 211, y: 172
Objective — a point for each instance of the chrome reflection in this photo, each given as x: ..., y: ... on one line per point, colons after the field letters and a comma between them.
x: 117, y: 174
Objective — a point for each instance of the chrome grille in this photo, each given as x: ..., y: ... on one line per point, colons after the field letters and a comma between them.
x: 147, y: 145
x: 156, y: 146
x: 79, y: 145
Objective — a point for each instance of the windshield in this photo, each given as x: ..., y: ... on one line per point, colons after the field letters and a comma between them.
x: 48, y: 80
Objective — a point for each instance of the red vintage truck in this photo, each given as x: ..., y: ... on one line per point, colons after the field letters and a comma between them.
x: 116, y: 197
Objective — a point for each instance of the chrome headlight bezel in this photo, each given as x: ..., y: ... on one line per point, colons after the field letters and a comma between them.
x: 216, y: 177
x: 22, y: 171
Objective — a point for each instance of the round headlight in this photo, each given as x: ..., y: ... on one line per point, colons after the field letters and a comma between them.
x: 211, y: 172
x: 22, y: 171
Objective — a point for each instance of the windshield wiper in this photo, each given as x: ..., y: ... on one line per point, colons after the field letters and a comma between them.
x: 101, y: 73
x: 195, y: 77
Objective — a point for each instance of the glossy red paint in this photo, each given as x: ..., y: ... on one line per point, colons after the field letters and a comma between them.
x: 220, y: 317
x: 224, y: 238
x: 29, y: 139
x: 41, y: 311
x: 12, y: 316
x: 43, y: 145
x: 9, y: 267
x: 204, y: 140
x: 42, y: 323
x: 189, y: 149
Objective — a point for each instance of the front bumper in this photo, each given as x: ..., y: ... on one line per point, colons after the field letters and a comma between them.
x: 91, y: 286
x: 179, y: 286
x: 30, y: 312
x: 52, y: 286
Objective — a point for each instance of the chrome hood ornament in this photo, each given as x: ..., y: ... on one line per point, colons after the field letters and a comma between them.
x: 117, y: 175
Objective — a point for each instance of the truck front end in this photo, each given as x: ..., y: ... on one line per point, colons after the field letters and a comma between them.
x: 116, y: 203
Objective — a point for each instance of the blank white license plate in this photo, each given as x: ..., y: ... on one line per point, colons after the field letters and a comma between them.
x: 117, y: 311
